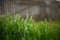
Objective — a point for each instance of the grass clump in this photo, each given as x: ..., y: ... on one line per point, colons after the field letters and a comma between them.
x: 14, y: 28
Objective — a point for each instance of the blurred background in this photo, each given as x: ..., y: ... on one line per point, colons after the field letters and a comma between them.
x: 38, y: 9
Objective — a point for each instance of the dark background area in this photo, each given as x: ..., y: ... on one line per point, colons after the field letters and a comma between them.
x: 1, y: 2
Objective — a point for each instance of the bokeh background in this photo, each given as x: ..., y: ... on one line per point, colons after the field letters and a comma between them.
x: 38, y: 9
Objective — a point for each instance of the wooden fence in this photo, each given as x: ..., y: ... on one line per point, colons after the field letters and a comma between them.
x: 38, y: 9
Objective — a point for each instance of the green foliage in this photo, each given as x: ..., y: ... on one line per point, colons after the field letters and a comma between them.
x: 14, y: 28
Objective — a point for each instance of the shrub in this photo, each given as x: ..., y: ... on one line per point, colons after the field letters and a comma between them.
x: 14, y: 28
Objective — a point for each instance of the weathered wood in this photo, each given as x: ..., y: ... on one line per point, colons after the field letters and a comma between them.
x: 36, y: 8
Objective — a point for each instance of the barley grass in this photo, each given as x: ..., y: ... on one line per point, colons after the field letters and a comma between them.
x: 14, y: 28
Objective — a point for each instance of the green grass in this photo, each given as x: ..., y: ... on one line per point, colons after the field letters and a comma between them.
x: 14, y: 28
